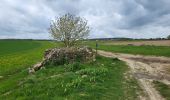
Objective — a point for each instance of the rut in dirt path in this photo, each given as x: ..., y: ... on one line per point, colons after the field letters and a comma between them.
x: 145, y: 69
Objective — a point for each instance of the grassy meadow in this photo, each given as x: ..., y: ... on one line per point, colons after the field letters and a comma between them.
x: 18, y: 54
x: 100, y: 80
x: 15, y: 57
x: 103, y: 79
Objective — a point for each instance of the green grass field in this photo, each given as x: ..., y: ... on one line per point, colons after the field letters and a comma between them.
x: 142, y: 50
x: 15, y: 57
x: 103, y: 79
x: 18, y: 54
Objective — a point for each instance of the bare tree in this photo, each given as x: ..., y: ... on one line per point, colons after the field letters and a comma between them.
x: 69, y: 29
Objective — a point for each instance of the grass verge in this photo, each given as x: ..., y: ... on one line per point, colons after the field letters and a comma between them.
x: 100, y: 80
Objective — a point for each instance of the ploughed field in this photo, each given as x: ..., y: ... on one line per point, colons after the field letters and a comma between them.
x: 130, y: 47
x: 141, y: 42
x: 103, y: 79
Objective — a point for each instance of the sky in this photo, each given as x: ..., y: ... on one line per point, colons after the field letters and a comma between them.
x: 30, y: 19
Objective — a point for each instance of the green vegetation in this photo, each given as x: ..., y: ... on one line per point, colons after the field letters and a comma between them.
x: 143, y: 50
x: 103, y: 79
x: 163, y: 89
x: 15, y: 57
x: 99, y: 80
x: 12, y: 46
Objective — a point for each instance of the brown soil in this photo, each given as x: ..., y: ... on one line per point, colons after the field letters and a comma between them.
x: 140, y: 43
x: 146, y: 69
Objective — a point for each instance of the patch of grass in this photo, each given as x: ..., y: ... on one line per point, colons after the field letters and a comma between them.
x: 93, y: 71
x: 163, y: 89
x: 74, y: 67
x: 100, y: 80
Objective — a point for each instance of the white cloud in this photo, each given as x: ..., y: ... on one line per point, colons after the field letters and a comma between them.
x: 107, y: 18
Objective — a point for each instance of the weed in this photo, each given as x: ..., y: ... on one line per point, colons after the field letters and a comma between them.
x: 93, y: 71
x: 73, y: 67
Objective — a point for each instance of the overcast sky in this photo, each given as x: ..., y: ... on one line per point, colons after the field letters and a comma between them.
x: 107, y: 18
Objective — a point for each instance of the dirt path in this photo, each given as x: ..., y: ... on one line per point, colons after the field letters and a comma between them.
x: 146, y: 69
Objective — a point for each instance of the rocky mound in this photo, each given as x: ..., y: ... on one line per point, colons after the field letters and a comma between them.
x: 59, y: 56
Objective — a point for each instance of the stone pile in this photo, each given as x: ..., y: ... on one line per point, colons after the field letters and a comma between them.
x: 60, y: 56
